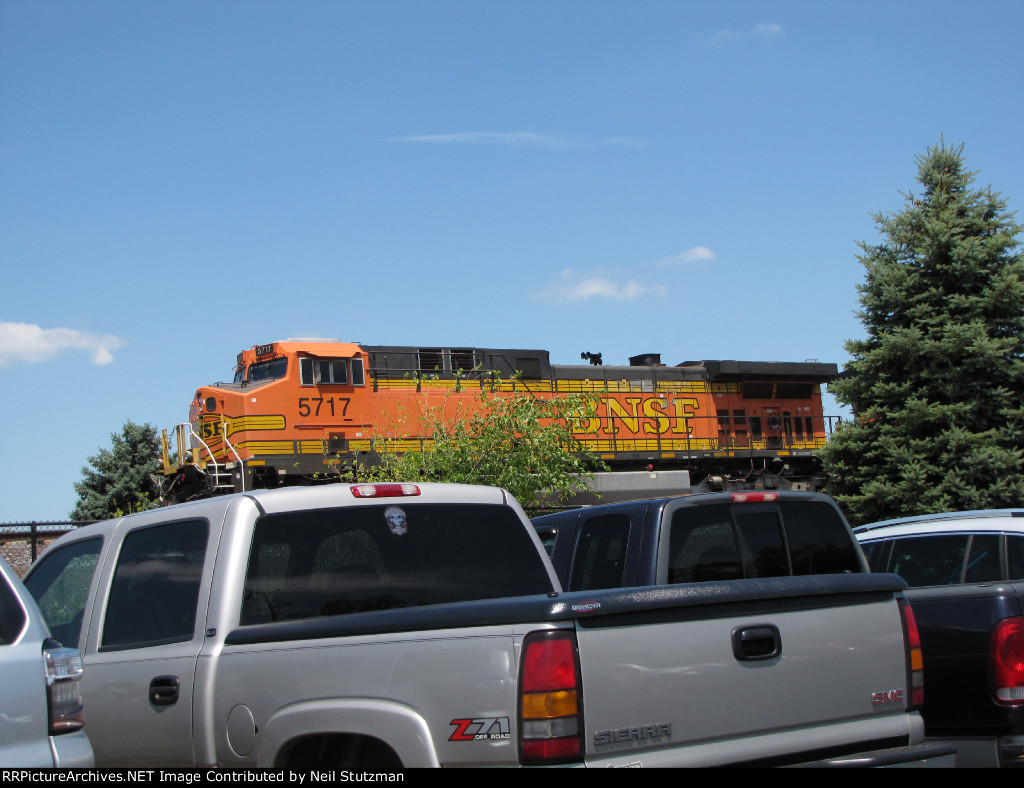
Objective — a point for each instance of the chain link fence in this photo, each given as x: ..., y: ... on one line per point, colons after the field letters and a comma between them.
x: 22, y: 543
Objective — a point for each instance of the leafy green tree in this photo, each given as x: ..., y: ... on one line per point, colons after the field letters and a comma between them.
x: 117, y: 480
x: 519, y: 442
x: 936, y: 387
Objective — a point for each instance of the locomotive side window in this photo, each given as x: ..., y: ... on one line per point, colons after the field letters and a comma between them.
x: 793, y: 390
x: 329, y: 371
x: 755, y: 389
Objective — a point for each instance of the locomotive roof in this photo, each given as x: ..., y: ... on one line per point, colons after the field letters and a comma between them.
x: 537, y: 363
x: 744, y: 370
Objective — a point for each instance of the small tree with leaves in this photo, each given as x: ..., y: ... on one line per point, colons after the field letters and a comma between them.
x: 117, y: 480
x: 520, y: 442
x: 937, y: 387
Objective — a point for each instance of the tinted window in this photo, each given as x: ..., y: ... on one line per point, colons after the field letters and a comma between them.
x: 929, y: 560
x: 548, y: 536
x: 761, y: 537
x: 60, y: 585
x: 871, y: 551
x: 983, y: 559
x: 1015, y: 556
x: 155, y: 591
x: 600, y: 555
x: 337, y: 561
x: 819, y: 542
x: 703, y: 545
x: 725, y: 542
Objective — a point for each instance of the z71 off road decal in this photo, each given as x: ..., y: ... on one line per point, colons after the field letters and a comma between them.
x: 481, y: 728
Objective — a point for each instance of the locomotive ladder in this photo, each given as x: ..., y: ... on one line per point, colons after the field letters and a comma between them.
x: 221, y: 476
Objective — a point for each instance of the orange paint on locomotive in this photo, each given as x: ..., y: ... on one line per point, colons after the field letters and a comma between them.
x: 317, y: 401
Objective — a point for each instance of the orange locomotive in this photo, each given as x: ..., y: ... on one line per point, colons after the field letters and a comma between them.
x: 309, y: 411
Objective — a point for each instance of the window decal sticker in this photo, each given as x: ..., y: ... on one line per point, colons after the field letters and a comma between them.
x: 397, y: 523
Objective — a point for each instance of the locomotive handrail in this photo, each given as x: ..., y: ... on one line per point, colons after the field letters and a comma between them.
x: 193, y: 434
x: 230, y: 445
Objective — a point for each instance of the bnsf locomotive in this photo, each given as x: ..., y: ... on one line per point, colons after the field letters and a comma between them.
x: 308, y: 411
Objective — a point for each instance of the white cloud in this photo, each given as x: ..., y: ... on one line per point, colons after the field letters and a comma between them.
x: 765, y: 31
x: 723, y: 36
x: 30, y: 343
x: 574, y: 287
x: 697, y: 257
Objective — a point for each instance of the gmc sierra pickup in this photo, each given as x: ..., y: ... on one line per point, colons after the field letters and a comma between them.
x: 407, y: 625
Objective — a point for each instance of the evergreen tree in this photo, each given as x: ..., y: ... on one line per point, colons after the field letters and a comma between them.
x: 936, y: 387
x: 118, y: 481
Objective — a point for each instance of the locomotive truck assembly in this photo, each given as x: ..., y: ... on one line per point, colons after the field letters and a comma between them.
x: 303, y: 411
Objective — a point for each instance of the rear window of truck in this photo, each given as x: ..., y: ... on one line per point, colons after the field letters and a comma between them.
x: 336, y: 561
x: 729, y: 542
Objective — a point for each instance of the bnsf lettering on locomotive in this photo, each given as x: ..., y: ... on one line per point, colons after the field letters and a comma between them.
x: 646, y: 415
x: 211, y: 430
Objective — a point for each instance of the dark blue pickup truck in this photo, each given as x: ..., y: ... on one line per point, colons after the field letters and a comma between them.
x: 966, y: 576
x: 699, y: 538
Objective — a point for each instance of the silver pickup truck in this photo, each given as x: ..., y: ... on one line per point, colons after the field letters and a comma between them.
x: 400, y: 625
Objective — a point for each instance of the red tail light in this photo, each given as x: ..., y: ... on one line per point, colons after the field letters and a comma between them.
x: 550, y: 700
x: 1006, y: 661
x: 915, y: 658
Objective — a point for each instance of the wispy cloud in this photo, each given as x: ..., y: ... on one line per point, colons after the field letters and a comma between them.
x: 697, y: 257
x: 520, y: 139
x: 630, y: 284
x: 572, y: 286
x: 26, y: 342
x: 512, y: 139
x: 765, y: 32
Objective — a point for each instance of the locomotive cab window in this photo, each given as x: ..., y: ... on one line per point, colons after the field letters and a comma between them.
x: 330, y: 371
x: 273, y: 369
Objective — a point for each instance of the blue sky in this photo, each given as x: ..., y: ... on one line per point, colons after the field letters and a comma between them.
x: 182, y: 180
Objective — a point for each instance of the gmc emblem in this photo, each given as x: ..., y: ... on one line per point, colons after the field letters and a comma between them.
x: 889, y: 696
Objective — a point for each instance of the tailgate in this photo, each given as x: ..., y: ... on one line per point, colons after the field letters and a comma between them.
x: 754, y: 680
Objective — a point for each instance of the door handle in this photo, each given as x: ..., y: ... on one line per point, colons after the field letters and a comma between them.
x: 163, y: 690
x: 756, y: 642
